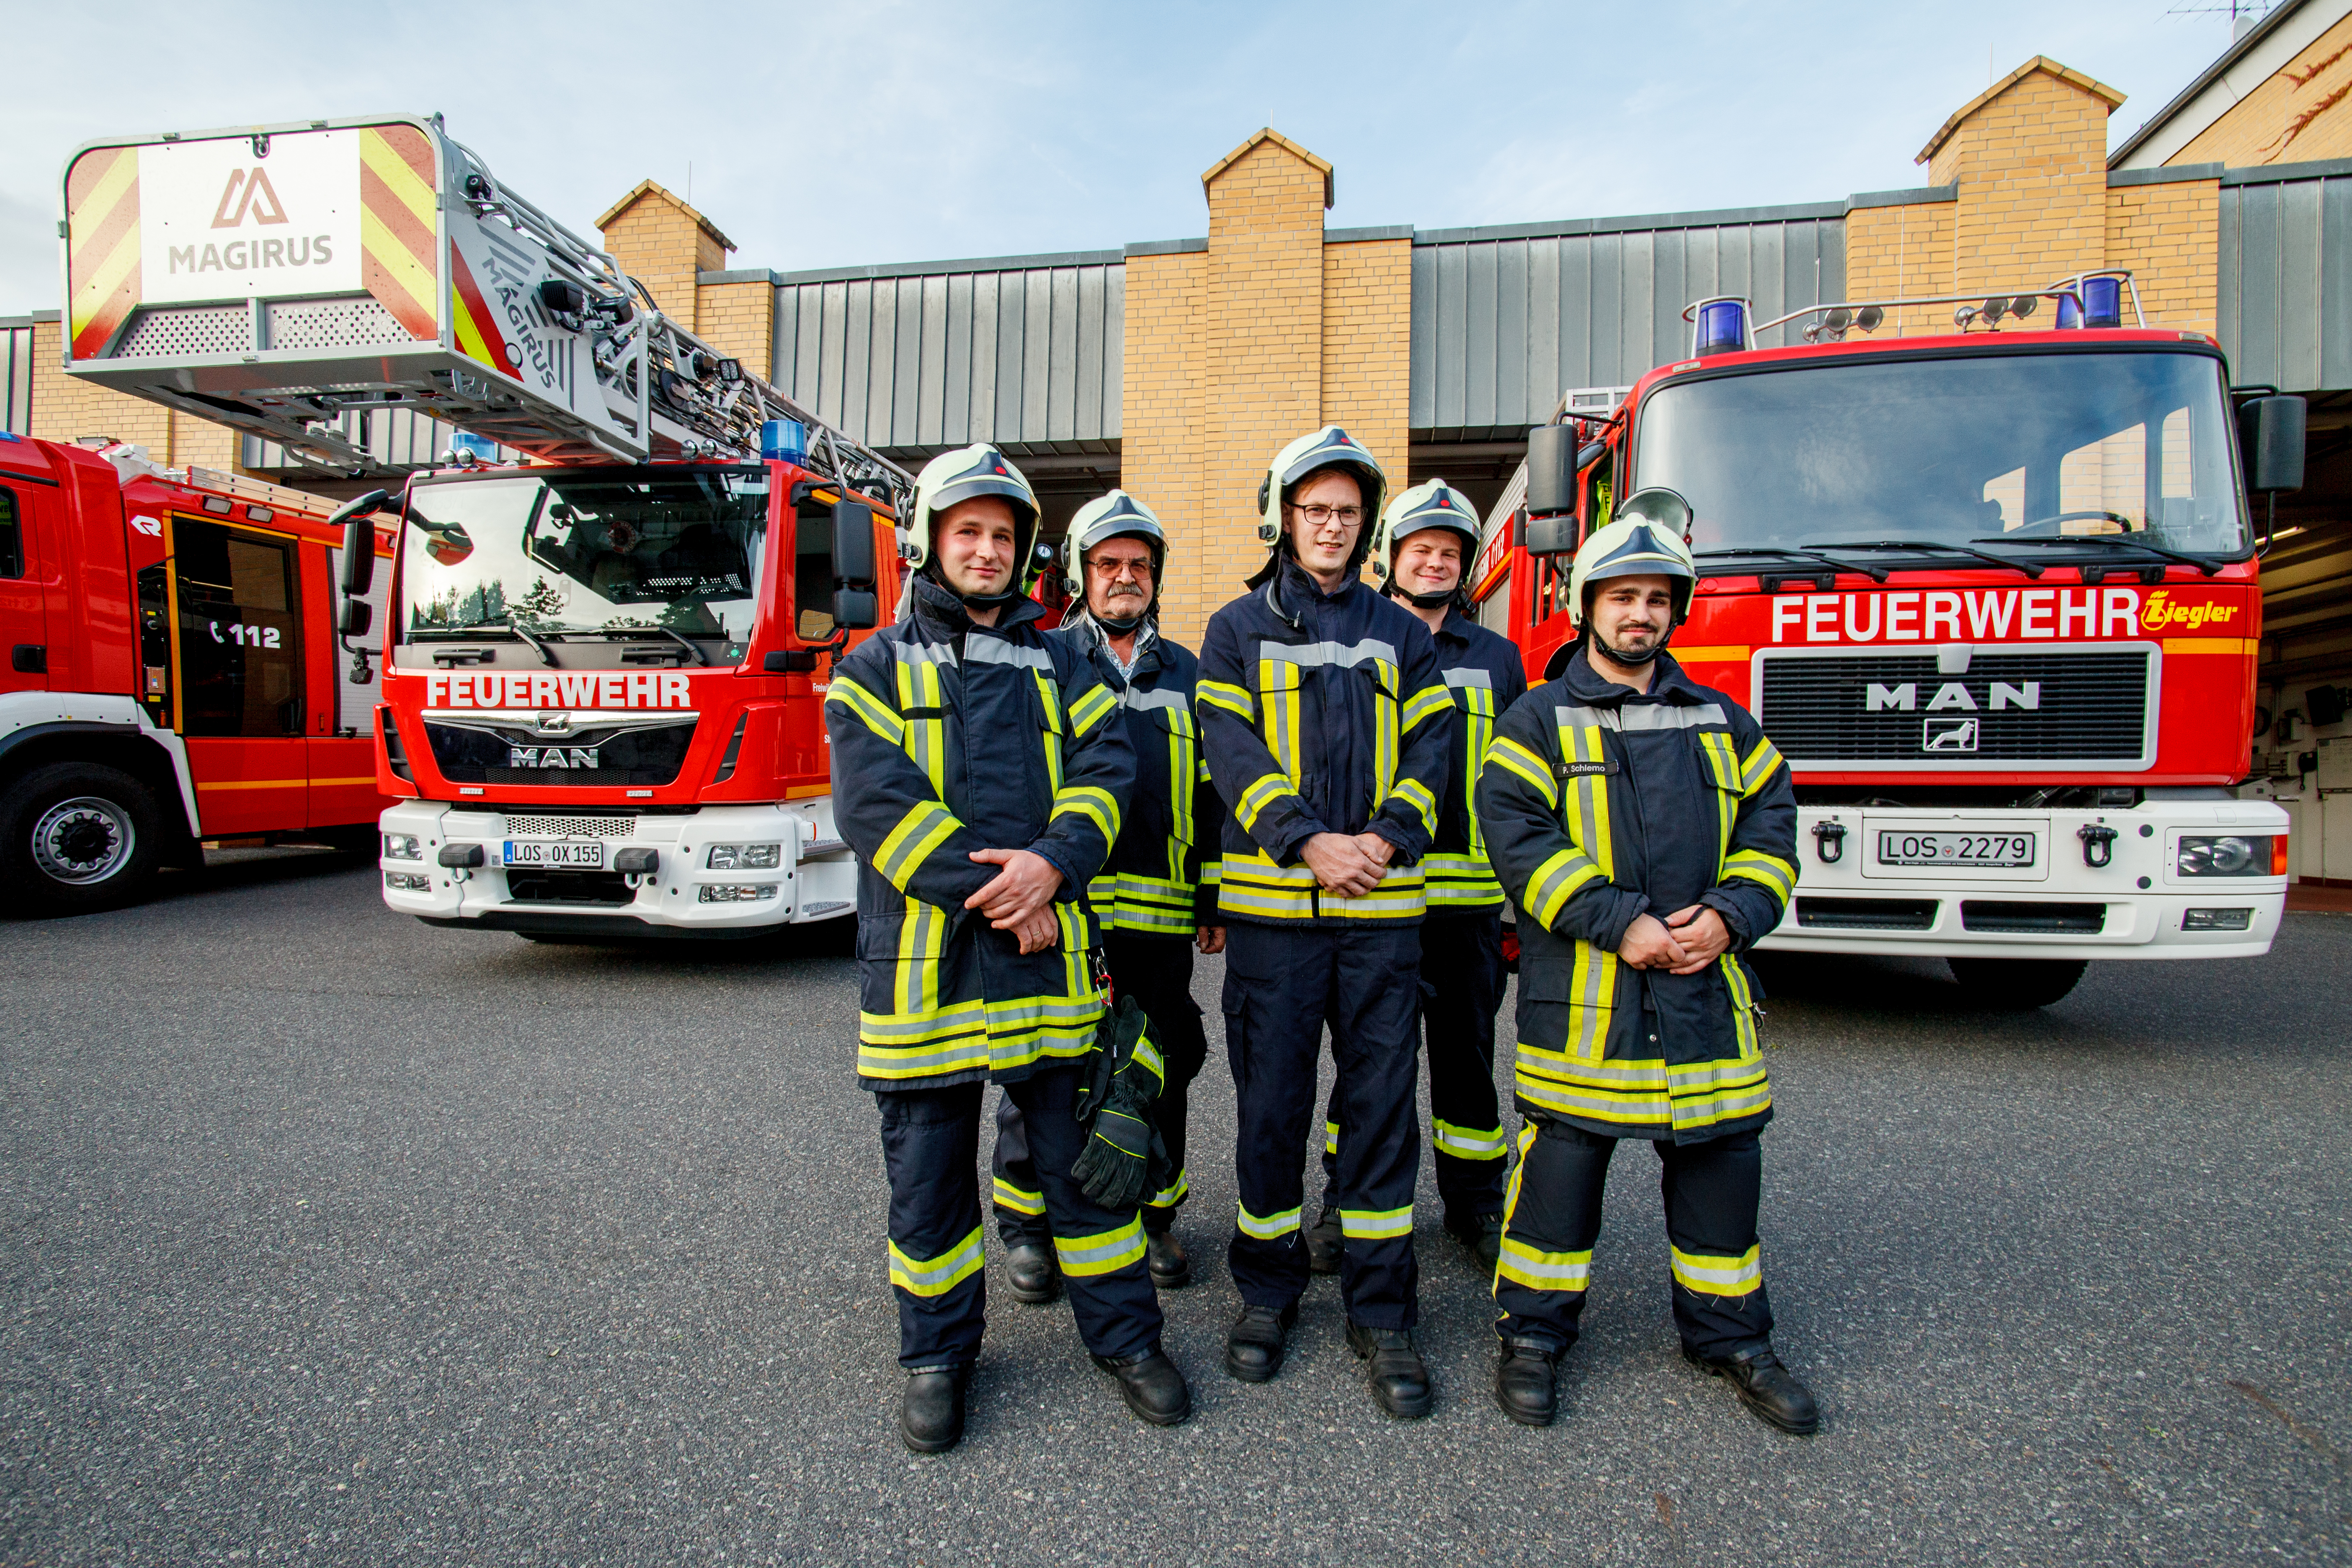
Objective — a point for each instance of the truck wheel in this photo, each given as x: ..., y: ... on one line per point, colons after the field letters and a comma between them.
x: 2016, y: 985
x: 76, y: 837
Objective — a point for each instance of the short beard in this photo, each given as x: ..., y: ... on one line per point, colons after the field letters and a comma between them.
x: 1630, y: 660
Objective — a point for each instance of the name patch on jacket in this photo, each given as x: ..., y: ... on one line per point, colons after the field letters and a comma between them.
x: 1586, y: 770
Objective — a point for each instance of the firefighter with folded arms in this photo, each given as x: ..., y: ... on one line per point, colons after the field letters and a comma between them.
x: 1646, y: 830
x: 1326, y: 725
x: 1152, y: 899
x: 1427, y: 540
x: 979, y: 771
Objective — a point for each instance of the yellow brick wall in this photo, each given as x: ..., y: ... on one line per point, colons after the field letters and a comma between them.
x: 2032, y: 165
x: 657, y: 242
x: 1164, y: 377
x: 1367, y: 346
x: 65, y: 408
x: 2301, y: 114
x: 739, y: 319
x: 1905, y: 250
x: 2167, y: 236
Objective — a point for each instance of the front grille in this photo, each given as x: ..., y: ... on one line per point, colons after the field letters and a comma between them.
x: 1867, y: 914
x: 641, y: 756
x: 570, y: 827
x: 2009, y: 708
x: 2018, y: 917
x: 605, y: 888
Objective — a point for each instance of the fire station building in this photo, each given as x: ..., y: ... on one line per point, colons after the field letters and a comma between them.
x: 1176, y: 367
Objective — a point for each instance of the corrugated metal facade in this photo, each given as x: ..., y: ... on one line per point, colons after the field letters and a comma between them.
x: 2285, y: 275
x: 1027, y: 351
x: 1504, y: 319
x: 16, y: 375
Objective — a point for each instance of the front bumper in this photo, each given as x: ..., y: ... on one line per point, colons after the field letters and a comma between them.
x: 2134, y: 907
x: 815, y: 880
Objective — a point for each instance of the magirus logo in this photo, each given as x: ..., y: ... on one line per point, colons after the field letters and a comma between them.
x: 249, y: 194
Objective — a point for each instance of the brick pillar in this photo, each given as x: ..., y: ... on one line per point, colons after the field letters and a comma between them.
x: 2030, y: 157
x: 1161, y: 390
x: 1368, y: 346
x: 664, y: 244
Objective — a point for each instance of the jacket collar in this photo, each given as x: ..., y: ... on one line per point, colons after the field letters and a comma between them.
x: 1589, y: 686
x: 1290, y: 591
x: 936, y: 608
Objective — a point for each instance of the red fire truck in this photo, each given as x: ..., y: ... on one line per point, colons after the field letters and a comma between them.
x: 1993, y: 593
x: 602, y: 663
x: 173, y: 674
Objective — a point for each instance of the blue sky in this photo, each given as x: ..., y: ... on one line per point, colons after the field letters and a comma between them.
x: 904, y: 129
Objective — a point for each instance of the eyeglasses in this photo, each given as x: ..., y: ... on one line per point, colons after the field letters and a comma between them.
x: 1137, y: 566
x: 1318, y: 514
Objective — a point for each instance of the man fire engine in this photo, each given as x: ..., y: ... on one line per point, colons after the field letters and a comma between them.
x: 1994, y: 596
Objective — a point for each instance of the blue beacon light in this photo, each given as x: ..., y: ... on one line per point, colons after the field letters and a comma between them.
x: 2103, y: 301
x: 1722, y: 327
x: 784, y: 441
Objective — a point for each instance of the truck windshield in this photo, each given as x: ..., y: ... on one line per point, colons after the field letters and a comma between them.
x: 584, y: 551
x: 1951, y: 449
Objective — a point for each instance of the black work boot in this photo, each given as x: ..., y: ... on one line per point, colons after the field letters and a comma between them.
x: 1032, y: 1274
x: 1253, y: 1345
x: 1165, y: 1256
x: 1327, y: 1244
x: 1770, y: 1390
x: 1482, y: 1234
x: 1151, y: 1386
x: 930, y: 1414
x: 1399, y: 1377
x: 1527, y: 1381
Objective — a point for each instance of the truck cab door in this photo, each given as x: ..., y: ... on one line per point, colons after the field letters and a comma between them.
x: 23, y: 621
x: 237, y: 678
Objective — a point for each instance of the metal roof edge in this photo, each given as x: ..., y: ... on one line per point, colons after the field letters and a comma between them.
x: 1724, y: 218
x: 44, y: 315
x: 969, y: 263
x: 2280, y: 174
x: 1916, y: 195
x: 1380, y: 231
x: 737, y: 275
x: 1166, y: 247
x: 2239, y: 50
x: 8, y: 321
x: 2163, y: 174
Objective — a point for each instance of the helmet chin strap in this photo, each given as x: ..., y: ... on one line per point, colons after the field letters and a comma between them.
x: 1432, y: 601
x: 932, y: 570
x: 1632, y: 660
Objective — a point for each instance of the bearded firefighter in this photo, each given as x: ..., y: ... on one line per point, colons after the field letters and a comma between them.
x: 979, y: 771
x: 1152, y: 899
x: 1646, y: 830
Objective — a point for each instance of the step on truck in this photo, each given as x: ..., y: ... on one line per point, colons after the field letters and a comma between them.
x: 613, y: 601
x: 1992, y: 592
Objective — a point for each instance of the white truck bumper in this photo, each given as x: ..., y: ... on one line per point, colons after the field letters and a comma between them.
x: 2137, y: 905
x: 814, y: 878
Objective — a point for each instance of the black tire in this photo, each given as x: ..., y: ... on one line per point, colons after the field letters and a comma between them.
x: 76, y: 838
x: 2016, y: 985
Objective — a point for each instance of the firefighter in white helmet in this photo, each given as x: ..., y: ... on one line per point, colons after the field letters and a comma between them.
x: 1422, y: 552
x: 1153, y: 899
x: 979, y: 770
x: 1646, y: 830
x: 1326, y: 725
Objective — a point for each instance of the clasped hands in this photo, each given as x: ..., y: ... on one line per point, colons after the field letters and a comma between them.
x: 1347, y: 864
x: 1682, y: 944
x: 1019, y: 897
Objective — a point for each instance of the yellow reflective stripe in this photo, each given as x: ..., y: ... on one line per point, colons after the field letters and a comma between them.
x: 1523, y: 1264
x: 1401, y: 894
x: 1255, y: 885
x: 1105, y: 1252
x: 1415, y: 793
x: 1270, y: 1228
x: 1088, y: 710
x: 1425, y: 704
x: 1234, y: 699
x: 924, y: 829
x: 915, y: 984
x: 1756, y: 769
x: 1020, y: 1200
x: 1174, y: 1193
x: 1712, y: 1276
x: 1686, y: 1096
x: 1376, y: 1225
x: 937, y: 1275
x: 1147, y: 1054
x: 1261, y: 793
x: 1460, y: 881
x: 1743, y: 1008
x: 1466, y: 1142
x: 1768, y: 870
x: 1556, y: 881
x: 1330, y: 1137
x: 870, y: 709
x: 1277, y: 685
x: 1098, y: 805
x: 1506, y: 753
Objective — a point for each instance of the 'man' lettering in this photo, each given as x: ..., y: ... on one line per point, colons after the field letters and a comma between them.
x: 2028, y: 696
x: 1905, y: 696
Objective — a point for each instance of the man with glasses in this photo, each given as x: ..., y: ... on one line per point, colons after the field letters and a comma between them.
x: 1326, y: 722
x: 1150, y: 899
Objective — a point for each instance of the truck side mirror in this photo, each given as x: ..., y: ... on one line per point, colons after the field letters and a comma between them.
x: 853, y: 546
x: 358, y: 541
x: 1551, y: 469
x: 358, y: 616
x: 855, y: 609
x: 2269, y: 433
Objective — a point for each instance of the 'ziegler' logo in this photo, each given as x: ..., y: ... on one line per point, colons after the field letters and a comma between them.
x: 252, y: 193
x: 2160, y: 611
x: 1948, y: 735
x: 551, y: 756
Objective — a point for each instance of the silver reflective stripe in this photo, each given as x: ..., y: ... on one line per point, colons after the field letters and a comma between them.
x: 1645, y: 716
x: 923, y: 652
x: 1469, y: 678
x: 1136, y: 698
x: 996, y: 650
x: 1315, y: 653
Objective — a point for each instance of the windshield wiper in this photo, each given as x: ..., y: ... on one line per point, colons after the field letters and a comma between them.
x: 478, y: 627
x: 641, y: 633
x: 1875, y: 574
x: 1934, y: 546
x: 2110, y: 539
x: 546, y: 654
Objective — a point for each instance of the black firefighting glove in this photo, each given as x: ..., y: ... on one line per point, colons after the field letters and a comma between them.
x: 1124, y: 1076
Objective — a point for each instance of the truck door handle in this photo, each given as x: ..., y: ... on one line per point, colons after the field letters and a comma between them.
x: 29, y: 659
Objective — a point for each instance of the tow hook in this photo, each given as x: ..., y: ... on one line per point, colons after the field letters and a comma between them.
x: 638, y: 866
x: 2098, y: 845
x: 459, y: 860
x: 1829, y: 842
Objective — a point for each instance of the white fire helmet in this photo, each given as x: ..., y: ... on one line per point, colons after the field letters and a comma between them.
x: 959, y: 476
x: 1644, y: 539
x: 1431, y: 504
x: 1324, y: 448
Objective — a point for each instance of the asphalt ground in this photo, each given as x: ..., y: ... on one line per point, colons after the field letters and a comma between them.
x: 325, y: 1237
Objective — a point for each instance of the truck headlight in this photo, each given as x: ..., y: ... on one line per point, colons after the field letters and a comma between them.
x: 745, y: 857
x: 407, y: 882
x: 403, y: 847
x: 2226, y: 855
x: 736, y: 893
x: 2217, y: 919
